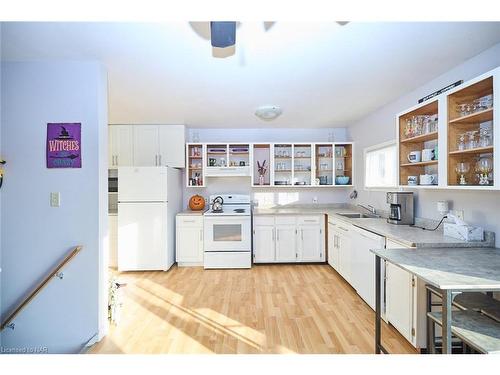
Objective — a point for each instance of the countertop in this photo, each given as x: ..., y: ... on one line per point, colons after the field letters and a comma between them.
x: 189, y: 212
x: 403, y: 234
x: 460, y: 269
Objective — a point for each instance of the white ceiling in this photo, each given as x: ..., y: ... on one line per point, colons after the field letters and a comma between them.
x: 321, y: 74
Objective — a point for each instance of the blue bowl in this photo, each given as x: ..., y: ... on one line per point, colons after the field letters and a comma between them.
x: 342, y: 180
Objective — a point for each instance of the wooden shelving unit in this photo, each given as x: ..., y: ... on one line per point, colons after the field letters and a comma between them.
x: 195, y: 165
x: 458, y: 124
x: 324, y: 164
x: 416, y: 143
x: 343, y: 162
x: 262, y: 152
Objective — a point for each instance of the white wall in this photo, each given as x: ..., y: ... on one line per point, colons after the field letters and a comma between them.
x: 0, y: 189
x: 481, y: 208
x: 268, y: 196
x: 35, y: 236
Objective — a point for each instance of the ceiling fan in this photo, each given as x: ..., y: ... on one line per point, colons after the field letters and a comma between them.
x: 223, y: 33
x: 222, y: 36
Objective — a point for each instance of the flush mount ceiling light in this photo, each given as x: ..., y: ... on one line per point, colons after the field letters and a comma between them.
x: 268, y: 112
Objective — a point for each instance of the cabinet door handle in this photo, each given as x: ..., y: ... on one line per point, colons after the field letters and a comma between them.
x: 273, y: 235
x: 302, y: 234
x: 159, y: 158
x: 309, y: 220
x: 117, y: 160
x: 156, y: 160
x: 345, y: 230
x: 277, y: 234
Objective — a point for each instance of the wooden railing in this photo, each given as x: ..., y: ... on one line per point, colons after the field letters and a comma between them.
x: 39, y: 287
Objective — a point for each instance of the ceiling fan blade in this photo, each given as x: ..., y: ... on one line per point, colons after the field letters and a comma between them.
x: 223, y: 34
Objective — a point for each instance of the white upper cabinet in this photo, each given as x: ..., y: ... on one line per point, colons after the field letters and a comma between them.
x: 146, y: 145
x: 120, y: 151
x: 451, y: 141
x: 171, y: 153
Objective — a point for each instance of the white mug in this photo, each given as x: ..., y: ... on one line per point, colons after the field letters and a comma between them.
x: 414, y: 156
x: 426, y: 179
x: 427, y: 154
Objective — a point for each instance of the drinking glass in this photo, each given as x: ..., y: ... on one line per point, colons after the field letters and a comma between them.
x: 484, y: 137
x: 461, y: 142
x: 462, y: 169
x: 485, y: 167
x: 471, y: 142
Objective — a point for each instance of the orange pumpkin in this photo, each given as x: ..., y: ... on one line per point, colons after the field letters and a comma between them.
x: 197, y: 203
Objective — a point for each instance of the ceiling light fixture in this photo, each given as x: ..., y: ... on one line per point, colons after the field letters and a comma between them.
x: 268, y: 112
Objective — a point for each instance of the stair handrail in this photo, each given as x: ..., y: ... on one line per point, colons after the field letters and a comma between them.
x: 54, y: 273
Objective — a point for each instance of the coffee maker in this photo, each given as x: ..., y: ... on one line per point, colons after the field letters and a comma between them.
x: 401, y: 208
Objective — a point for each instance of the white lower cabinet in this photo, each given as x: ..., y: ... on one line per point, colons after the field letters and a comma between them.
x: 189, y: 240
x: 343, y: 250
x: 287, y: 238
x: 405, y: 301
x: 286, y: 243
x: 264, y: 244
x: 333, y: 253
x: 310, y: 243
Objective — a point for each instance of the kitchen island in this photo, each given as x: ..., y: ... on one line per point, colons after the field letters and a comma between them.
x: 451, y: 272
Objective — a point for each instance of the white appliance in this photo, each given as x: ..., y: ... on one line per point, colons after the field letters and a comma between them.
x: 148, y: 200
x: 363, y: 263
x: 228, y: 233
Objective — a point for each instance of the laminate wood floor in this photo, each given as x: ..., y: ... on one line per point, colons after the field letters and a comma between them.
x: 266, y: 309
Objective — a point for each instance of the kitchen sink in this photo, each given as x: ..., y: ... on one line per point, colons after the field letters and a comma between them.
x: 359, y: 216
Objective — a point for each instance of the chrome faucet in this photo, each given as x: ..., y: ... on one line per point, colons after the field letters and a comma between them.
x: 368, y: 208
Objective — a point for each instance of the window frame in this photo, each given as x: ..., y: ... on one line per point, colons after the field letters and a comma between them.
x: 378, y: 146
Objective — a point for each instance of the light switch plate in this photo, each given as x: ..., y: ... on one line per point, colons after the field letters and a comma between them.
x: 55, y: 199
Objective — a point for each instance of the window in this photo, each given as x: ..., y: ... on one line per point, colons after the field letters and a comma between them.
x: 381, y: 165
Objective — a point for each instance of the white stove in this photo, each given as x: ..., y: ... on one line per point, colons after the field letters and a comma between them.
x: 231, y: 210
x: 228, y: 232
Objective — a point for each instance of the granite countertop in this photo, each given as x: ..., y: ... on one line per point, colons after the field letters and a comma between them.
x: 403, y: 234
x: 189, y: 212
x: 460, y: 269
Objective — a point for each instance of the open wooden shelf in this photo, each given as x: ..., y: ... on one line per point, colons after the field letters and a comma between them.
x: 417, y: 143
x: 474, y: 118
x: 419, y: 164
x: 479, y: 150
x: 458, y: 124
x: 421, y: 138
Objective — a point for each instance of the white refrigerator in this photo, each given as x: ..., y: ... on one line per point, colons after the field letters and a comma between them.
x: 148, y: 200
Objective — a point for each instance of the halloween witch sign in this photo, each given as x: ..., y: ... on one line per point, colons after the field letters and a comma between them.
x: 64, y: 149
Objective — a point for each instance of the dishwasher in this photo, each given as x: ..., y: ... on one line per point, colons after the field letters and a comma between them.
x: 363, y: 262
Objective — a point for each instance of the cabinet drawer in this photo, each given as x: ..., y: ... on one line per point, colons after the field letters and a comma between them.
x: 285, y: 220
x: 263, y: 220
x: 309, y: 220
x: 187, y: 220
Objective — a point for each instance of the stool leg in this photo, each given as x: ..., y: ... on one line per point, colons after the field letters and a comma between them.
x: 431, y: 344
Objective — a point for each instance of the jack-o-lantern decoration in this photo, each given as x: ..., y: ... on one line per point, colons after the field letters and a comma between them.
x: 197, y: 203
